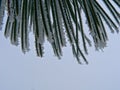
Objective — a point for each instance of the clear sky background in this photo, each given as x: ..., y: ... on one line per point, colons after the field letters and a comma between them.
x: 28, y: 72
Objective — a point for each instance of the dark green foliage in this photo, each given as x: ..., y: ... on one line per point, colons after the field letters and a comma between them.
x: 56, y: 19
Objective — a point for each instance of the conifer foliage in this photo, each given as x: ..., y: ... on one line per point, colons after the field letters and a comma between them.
x: 59, y: 21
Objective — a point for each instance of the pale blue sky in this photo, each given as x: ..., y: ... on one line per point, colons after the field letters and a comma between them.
x: 28, y: 72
